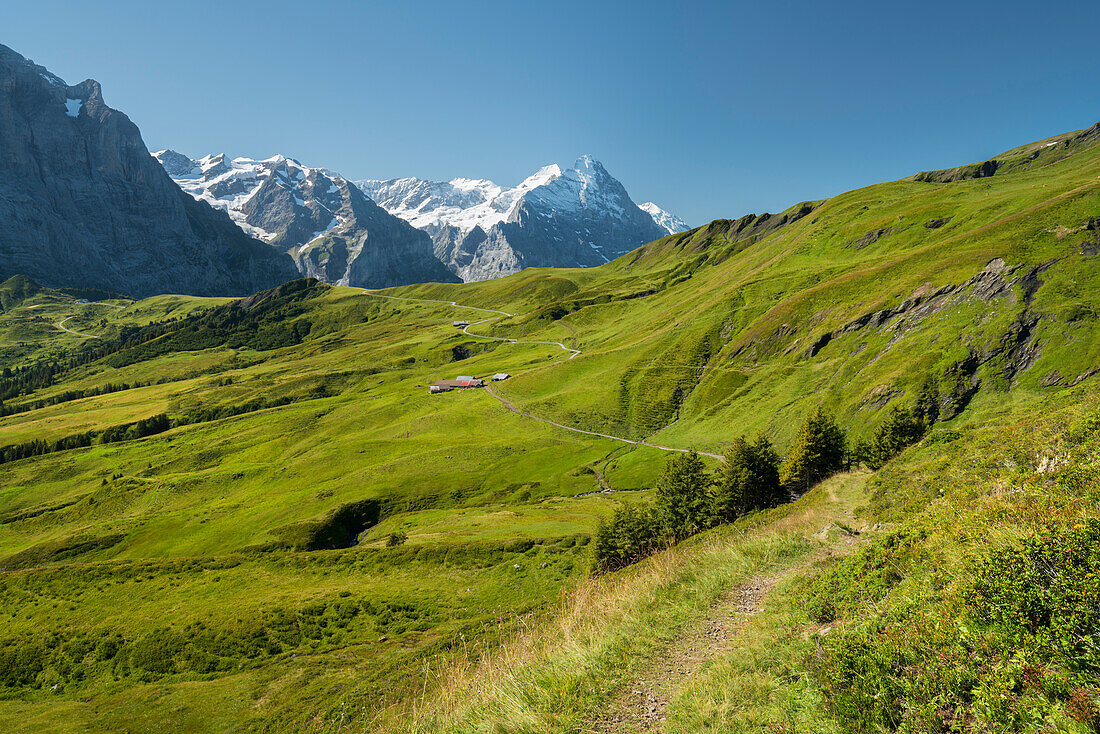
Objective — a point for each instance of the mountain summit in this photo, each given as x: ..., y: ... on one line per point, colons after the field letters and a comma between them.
x: 665, y: 220
x: 83, y: 204
x: 557, y: 217
x: 330, y: 228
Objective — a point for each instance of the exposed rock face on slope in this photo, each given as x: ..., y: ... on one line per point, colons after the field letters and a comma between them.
x: 573, y: 217
x: 83, y: 204
x: 330, y: 228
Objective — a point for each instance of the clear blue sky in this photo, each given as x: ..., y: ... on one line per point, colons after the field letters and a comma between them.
x: 711, y: 109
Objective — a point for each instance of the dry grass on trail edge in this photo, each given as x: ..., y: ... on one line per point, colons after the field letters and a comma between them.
x: 559, y: 672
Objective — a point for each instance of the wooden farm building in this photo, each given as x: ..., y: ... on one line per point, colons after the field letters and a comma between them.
x: 459, y: 383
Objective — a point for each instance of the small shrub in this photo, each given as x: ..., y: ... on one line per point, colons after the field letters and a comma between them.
x: 1045, y: 595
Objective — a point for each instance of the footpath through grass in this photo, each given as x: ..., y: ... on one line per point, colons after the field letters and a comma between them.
x: 562, y: 674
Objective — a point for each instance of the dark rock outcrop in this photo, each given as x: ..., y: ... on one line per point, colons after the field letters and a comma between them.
x: 996, y: 280
x: 872, y: 237
x: 1016, y: 350
x: 961, y: 173
x: 371, y: 248
x: 1091, y: 246
x: 82, y: 203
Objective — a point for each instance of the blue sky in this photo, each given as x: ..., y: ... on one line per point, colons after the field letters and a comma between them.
x: 711, y: 109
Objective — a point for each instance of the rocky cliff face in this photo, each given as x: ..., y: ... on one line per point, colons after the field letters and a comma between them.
x: 82, y: 203
x: 572, y: 217
x: 330, y: 228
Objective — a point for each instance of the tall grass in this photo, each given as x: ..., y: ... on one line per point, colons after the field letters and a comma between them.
x: 556, y: 674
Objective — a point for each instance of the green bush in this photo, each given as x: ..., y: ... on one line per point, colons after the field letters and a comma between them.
x: 864, y: 577
x: 1044, y: 595
x: 1007, y: 644
x: 20, y: 662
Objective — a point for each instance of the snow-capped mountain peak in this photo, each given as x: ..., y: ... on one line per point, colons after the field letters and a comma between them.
x: 316, y: 216
x: 233, y: 184
x: 177, y: 164
x: 557, y: 216
x: 665, y: 220
x: 541, y: 177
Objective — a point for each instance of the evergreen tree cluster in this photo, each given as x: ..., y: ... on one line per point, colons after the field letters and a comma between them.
x: 126, y: 432
x: 689, y: 499
x: 748, y: 480
x: 819, y: 449
x: 68, y: 396
x: 16, y: 381
x: 684, y: 503
x: 902, y: 428
x: 631, y: 534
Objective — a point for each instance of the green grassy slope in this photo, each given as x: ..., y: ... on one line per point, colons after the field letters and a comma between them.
x: 196, y: 565
x: 739, y: 334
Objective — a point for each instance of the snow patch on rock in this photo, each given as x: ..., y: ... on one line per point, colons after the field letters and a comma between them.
x: 558, y: 216
x: 665, y: 220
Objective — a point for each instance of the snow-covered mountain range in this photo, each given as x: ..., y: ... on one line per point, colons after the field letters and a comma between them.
x: 557, y: 217
x: 330, y: 228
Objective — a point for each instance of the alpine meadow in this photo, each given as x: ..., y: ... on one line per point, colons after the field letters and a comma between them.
x: 287, y: 451
x: 252, y: 514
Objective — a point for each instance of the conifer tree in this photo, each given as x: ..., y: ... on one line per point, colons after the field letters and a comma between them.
x: 902, y: 428
x: 683, y: 500
x: 819, y: 449
x: 749, y: 479
x: 630, y: 535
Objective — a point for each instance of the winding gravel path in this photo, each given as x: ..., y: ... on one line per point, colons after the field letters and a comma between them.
x: 61, y: 324
x: 511, y: 406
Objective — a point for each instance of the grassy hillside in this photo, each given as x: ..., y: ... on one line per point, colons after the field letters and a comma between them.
x: 30, y: 314
x: 269, y: 523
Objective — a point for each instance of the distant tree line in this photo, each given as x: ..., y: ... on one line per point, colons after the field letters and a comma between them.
x: 68, y: 396
x: 266, y: 321
x: 126, y: 432
x: 146, y: 427
x: 688, y: 499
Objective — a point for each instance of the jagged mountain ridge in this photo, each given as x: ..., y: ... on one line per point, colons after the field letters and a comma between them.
x: 83, y: 204
x: 557, y: 217
x: 331, y: 229
x: 665, y: 220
